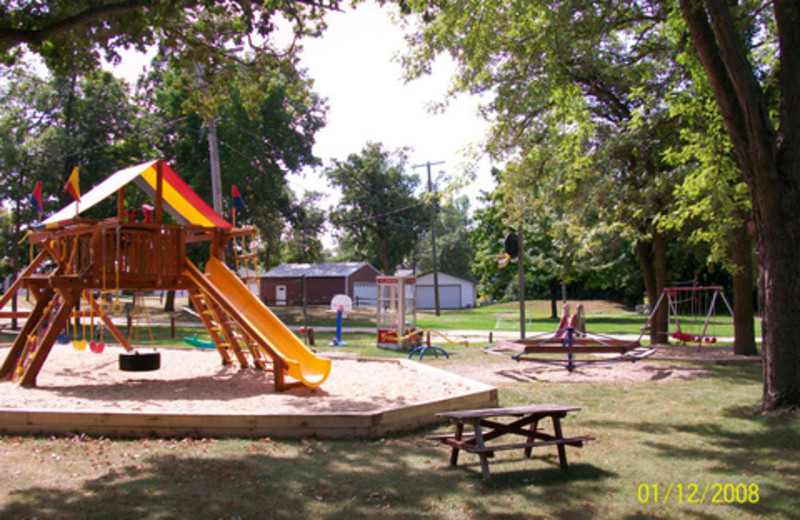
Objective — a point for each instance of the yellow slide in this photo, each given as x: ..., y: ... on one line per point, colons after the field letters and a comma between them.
x: 223, y: 284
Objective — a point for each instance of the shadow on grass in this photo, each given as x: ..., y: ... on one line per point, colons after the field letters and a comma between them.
x: 737, y: 373
x: 741, y: 449
x: 321, y: 480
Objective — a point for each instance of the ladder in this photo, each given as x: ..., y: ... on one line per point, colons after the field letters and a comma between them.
x: 229, y: 339
x: 246, y: 260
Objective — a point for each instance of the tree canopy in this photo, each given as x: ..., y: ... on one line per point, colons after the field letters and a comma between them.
x: 73, y: 35
x: 379, y: 213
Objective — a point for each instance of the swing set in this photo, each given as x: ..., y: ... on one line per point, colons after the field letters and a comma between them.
x: 686, y: 306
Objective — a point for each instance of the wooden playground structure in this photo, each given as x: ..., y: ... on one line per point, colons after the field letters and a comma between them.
x: 93, y: 261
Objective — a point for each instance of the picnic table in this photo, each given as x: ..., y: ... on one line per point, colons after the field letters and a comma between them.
x: 485, y: 428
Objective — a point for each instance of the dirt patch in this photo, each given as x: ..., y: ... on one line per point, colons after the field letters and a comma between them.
x: 654, y: 368
x: 706, y: 353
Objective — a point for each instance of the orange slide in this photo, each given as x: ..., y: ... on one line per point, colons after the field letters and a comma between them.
x: 303, y: 364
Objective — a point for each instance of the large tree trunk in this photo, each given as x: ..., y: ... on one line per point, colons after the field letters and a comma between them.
x: 744, y: 343
x: 654, y: 285
x: 769, y: 157
x: 660, y: 273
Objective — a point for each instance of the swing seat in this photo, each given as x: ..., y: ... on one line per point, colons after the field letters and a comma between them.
x: 79, y: 344
x: 684, y: 337
x: 97, y: 347
x: 63, y: 339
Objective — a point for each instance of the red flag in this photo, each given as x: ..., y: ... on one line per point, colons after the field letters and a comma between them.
x: 36, y: 197
x: 238, y: 201
x: 73, y: 185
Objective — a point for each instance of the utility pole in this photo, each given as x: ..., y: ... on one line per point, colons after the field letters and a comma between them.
x: 433, y: 236
x: 216, y: 178
x: 213, y: 149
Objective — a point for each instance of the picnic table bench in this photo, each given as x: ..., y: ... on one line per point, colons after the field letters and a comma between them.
x: 526, y: 425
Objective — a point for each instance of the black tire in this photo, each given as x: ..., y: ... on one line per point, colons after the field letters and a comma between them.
x: 136, y: 362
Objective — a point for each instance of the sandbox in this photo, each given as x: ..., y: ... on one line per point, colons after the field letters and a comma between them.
x: 194, y: 395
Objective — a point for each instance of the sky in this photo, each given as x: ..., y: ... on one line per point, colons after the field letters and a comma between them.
x: 355, y: 66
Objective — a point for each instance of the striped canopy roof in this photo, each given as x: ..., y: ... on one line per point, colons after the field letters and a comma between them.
x: 180, y: 200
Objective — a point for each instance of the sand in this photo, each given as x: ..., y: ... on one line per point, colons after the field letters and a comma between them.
x: 196, y: 381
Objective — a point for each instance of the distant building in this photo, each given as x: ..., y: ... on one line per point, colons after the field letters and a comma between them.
x: 283, y: 285
x: 454, y: 292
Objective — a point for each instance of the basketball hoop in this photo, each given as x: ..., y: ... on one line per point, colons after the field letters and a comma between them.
x: 342, y: 303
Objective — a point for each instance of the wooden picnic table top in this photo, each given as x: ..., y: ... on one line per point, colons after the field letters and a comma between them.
x: 543, y: 409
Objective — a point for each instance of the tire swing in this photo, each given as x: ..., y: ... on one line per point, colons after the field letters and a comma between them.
x: 139, y: 361
x: 136, y: 361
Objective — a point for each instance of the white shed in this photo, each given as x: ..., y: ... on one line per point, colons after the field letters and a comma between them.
x: 454, y: 292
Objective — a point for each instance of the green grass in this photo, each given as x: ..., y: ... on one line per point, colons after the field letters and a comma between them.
x: 658, y: 433
x: 601, y: 317
x: 652, y: 435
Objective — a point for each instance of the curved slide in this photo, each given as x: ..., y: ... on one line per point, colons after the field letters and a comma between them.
x: 225, y: 287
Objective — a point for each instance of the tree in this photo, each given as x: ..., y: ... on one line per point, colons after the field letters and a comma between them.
x: 453, y: 248
x: 554, y: 72
x: 487, y: 241
x: 767, y: 148
x: 72, y: 35
x: 714, y: 204
x: 378, y: 212
x: 47, y: 127
x: 261, y: 140
x: 50, y: 126
x: 301, y: 241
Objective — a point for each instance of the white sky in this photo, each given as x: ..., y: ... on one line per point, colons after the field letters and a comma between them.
x: 355, y: 66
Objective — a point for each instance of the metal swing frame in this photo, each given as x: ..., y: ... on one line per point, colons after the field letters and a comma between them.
x: 671, y: 294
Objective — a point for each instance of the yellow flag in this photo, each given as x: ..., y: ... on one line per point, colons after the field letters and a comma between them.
x: 73, y: 185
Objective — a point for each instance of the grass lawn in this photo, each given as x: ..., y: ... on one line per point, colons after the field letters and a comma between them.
x: 682, y: 440
x: 601, y: 317
x: 685, y: 434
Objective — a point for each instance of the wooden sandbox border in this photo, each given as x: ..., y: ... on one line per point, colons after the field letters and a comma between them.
x: 368, y: 424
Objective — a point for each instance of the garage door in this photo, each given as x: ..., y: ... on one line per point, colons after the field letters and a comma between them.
x: 449, y: 297
x: 364, y: 294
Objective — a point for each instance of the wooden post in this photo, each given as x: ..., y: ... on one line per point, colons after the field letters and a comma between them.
x: 69, y: 298
x: 121, y: 204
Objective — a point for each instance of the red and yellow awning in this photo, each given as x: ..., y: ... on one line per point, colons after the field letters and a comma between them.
x: 180, y: 200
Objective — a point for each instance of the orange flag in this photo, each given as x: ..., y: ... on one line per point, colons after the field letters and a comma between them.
x: 73, y: 186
